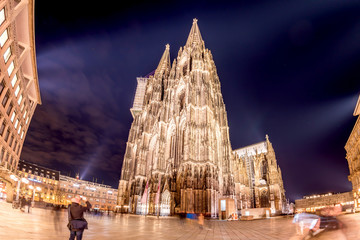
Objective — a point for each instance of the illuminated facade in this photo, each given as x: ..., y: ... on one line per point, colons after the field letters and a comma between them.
x: 19, y: 87
x: 264, y: 177
x: 178, y: 157
x: 319, y: 201
x: 100, y: 196
x: 45, y: 181
x: 352, y: 148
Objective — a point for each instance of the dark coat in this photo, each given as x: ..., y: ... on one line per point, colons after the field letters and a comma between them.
x: 77, y: 211
x: 77, y: 221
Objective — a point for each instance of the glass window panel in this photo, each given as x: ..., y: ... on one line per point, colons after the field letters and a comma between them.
x: 14, y: 80
x: 2, y: 86
x: 17, y: 90
x: 27, y: 120
x: 11, y: 68
x: 7, y: 54
x: 25, y: 114
x: 2, y: 16
x: 3, y: 38
x: 19, y: 129
x: 16, y: 123
x: 20, y: 98
x: 22, y: 134
x: 13, y: 116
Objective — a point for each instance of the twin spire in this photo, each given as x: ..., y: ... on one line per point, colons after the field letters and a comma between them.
x: 194, y: 38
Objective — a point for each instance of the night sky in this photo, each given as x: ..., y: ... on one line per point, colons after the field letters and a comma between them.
x: 289, y: 69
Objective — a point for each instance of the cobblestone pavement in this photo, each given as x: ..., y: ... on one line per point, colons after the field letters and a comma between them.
x: 44, y: 224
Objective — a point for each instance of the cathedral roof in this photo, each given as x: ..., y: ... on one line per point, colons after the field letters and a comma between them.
x: 194, y: 35
x: 164, y: 63
x: 357, y: 108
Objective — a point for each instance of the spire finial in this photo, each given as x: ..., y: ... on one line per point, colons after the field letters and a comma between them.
x: 267, y: 137
x: 167, y: 46
x: 195, y: 20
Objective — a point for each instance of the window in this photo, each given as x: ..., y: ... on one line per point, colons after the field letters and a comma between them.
x: 16, y: 142
x: 11, y: 140
x: 7, y: 135
x: 2, y: 128
x: 14, y: 80
x: 19, y: 129
x: 20, y: 98
x: 22, y: 134
x: 2, y: 154
x: 16, y: 123
x: 8, y: 111
x: 5, y: 99
x: 11, y: 68
x: 2, y: 86
x: 17, y: 90
x: 22, y: 106
x: 2, y: 16
x: 3, y: 38
x: 13, y: 116
x: 27, y: 120
x: 7, y: 54
x: 24, y: 114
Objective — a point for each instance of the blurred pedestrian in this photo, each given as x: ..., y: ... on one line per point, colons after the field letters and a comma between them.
x: 201, y: 220
x: 28, y: 204
x: 56, y: 210
x: 77, y: 223
x: 22, y: 203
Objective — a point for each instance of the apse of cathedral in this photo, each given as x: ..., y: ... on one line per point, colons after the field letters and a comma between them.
x: 178, y: 156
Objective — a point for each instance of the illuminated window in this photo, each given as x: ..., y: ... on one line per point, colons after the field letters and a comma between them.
x: 2, y: 16
x: 20, y: 98
x: 11, y: 68
x: 7, y: 55
x: 13, y: 116
x: 16, y: 123
x: 17, y: 90
x: 27, y: 120
x: 22, y: 134
x: 19, y: 129
x: 14, y: 80
x: 24, y: 114
x: 3, y: 38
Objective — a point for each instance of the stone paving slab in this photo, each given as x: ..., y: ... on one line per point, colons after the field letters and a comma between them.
x: 43, y: 224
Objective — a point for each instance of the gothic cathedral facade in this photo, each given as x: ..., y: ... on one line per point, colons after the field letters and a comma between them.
x: 178, y: 157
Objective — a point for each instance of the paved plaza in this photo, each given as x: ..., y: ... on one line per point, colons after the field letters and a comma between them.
x: 44, y: 224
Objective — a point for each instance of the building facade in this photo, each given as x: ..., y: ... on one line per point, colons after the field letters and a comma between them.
x: 178, y: 157
x: 102, y: 197
x: 352, y: 148
x: 19, y: 87
x: 42, y: 182
x: 264, y: 177
x: 319, y: 201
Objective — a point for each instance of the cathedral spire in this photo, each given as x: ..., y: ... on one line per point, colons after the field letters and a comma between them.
x: 195, y: 35
x: 164, y: 63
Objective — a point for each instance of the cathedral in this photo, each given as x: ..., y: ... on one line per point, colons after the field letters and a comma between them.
x: 178, y: 156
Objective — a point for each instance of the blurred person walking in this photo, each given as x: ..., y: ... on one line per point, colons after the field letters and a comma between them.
x: 28, y: 204
x: 77, y: 223
x: 22, y: 204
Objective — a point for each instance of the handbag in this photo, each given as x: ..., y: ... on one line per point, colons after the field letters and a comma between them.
x: 76, y: 224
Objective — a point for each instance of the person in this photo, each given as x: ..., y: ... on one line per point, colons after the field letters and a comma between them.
x: 28, y: 204
x: 201, y: 221
x: 22, y: 204
x: 77, y: 223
